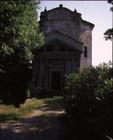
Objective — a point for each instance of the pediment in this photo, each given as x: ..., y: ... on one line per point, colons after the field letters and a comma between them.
x: 62, y: 38
x: 61, y: 14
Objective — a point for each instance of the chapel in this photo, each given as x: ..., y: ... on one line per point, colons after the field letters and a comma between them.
x: 67, y: 48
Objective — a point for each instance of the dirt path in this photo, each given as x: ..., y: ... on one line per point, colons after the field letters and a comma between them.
x: 42, y: 124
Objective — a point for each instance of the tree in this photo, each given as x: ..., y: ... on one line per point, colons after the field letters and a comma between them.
x: 19, y: 35
x: 109, y: 33
x: 110, y: 1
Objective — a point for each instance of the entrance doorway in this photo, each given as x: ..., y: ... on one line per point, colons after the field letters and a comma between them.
x: 56, y: 80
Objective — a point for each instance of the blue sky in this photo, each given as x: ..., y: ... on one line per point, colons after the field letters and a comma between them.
x: 97, y: 12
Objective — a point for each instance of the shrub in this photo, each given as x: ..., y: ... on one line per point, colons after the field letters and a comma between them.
x: 87, y: 98
x: 85, y: 89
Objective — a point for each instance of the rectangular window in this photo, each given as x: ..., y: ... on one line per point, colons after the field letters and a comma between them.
x: 61, y: 48
x: 56, y: 80
x: 85, y: 51
x: 49, y: 48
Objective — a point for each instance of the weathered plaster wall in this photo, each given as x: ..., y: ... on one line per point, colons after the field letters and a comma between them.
x: 86, y: 37
x: 70, y: 23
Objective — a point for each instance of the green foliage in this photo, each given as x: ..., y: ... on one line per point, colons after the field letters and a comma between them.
x: 89, y: 103
x: 19, y: 35
x: 88, y: 88
x: 110, y: 1
x: 56, y: 102
x: 19, y: 29
x: 109, y: 34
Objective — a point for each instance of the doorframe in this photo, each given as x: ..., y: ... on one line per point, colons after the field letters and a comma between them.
x: 57, y: 69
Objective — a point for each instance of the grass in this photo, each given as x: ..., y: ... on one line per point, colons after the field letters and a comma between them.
x: 9, y: 112
x: 54, y: 103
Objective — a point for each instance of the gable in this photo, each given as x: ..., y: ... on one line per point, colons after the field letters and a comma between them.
x: 64, y: 39
x: 60, y: 14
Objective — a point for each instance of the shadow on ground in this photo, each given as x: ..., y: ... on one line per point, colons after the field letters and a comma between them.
x: 42, y: 125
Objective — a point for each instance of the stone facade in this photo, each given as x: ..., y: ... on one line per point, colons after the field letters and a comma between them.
x: 68, y: 46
